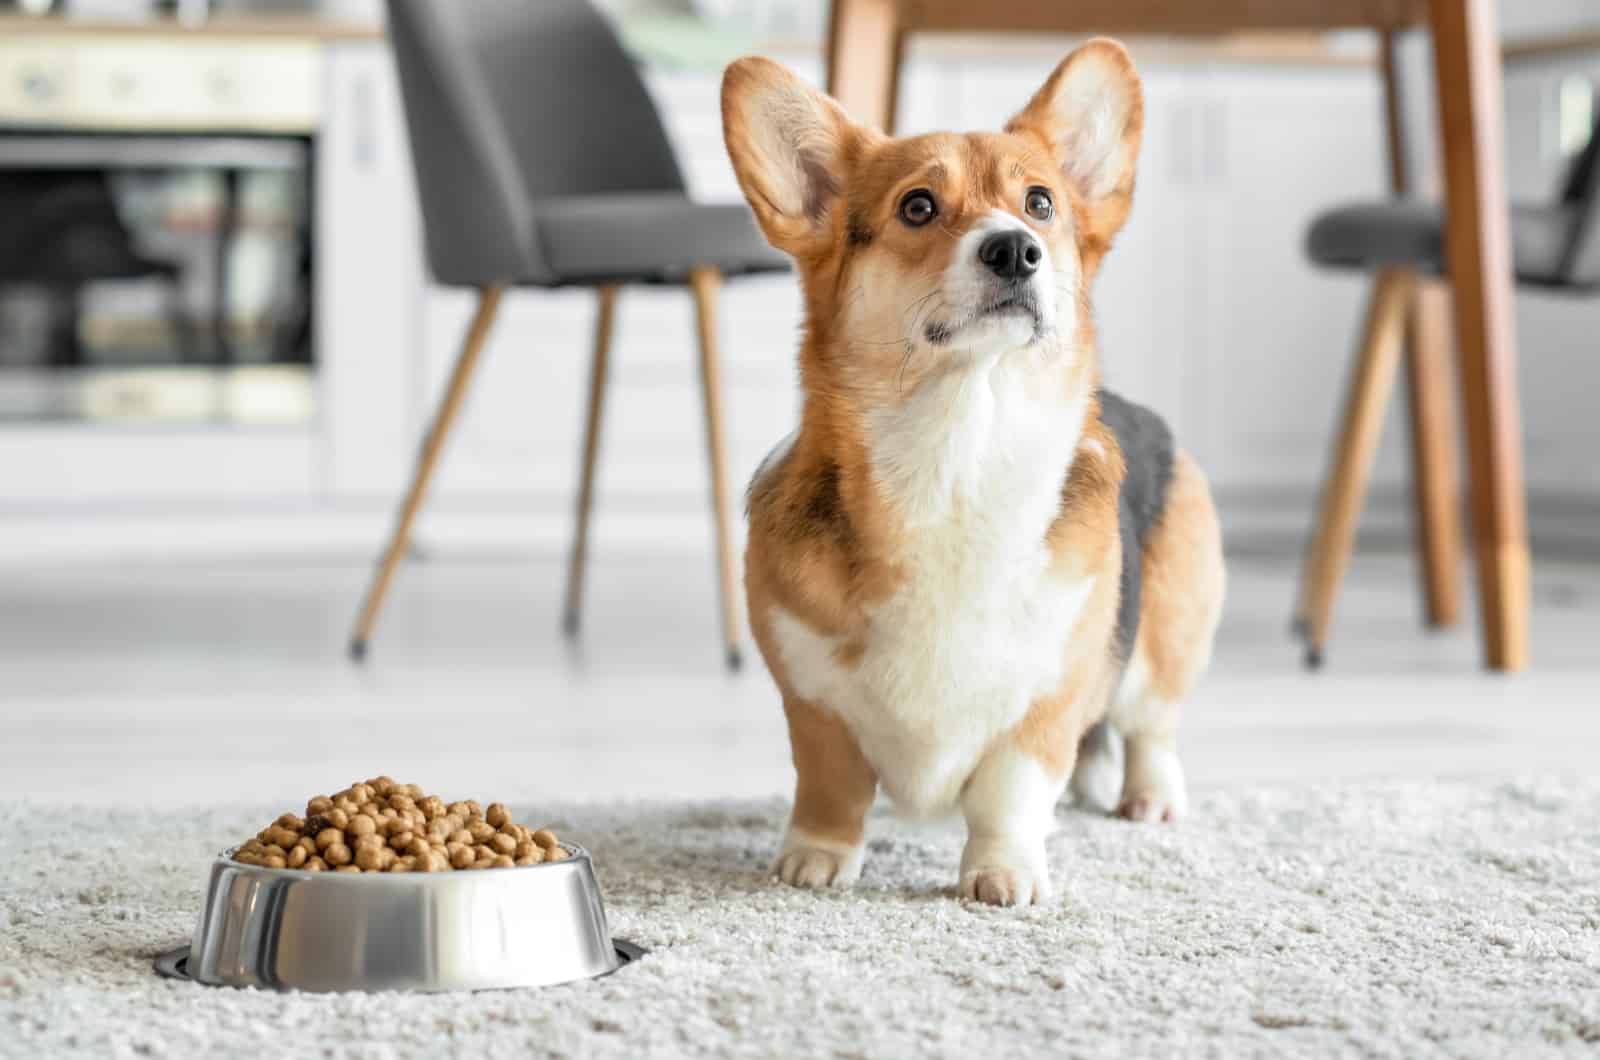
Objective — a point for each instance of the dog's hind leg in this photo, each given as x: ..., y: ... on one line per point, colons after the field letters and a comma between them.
x: 1183, y: 586
x: 1097, y: 777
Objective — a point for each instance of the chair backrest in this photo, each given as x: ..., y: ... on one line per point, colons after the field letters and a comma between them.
x: 1580, y: 261
x: 511, y: 101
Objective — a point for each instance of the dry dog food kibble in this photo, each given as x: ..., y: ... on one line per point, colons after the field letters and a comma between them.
x: 381, y: 826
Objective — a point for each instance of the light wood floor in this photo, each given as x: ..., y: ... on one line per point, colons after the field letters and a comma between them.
x: 178, y: 683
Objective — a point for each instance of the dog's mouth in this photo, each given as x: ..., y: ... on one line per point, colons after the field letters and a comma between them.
x: 938, y: 333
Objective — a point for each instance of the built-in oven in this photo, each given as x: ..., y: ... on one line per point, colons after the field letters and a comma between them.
x: 156, y: 237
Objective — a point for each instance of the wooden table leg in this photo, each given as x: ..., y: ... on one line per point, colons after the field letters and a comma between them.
x: 1466, y: 49
x: 863, y: 58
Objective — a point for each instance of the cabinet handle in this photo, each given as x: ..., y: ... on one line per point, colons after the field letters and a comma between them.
x: 363, y: 123
x: 1216, y: 143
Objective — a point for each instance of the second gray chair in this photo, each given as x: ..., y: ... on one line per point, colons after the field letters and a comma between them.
x: 1555, y: 247
x: 541, y: 162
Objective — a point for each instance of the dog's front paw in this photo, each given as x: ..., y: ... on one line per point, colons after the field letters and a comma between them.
x: 1154, y: 789
x: 808, y: 861
x: 1004, y: 874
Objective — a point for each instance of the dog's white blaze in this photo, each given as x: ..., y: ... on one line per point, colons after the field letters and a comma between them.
x: 973, y: 463
x: 968, y: 283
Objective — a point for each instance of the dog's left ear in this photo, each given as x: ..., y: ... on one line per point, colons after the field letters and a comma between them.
x: 1091, y: 114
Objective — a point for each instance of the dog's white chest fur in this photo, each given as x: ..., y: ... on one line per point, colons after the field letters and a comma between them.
x: 974, y: 465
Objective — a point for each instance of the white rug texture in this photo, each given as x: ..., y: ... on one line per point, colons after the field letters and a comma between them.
x: 1452, y: 919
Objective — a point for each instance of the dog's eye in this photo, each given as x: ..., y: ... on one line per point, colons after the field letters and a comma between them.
x: 1038, y: 204
x: 917, y: 208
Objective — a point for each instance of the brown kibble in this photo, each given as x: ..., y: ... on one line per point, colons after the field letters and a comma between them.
x: 379, y: 825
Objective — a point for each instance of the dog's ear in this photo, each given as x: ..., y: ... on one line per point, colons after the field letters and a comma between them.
x: 789, y: 144
x: 1091, y: 114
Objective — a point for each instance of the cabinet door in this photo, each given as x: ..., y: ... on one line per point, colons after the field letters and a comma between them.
x: 369, y: 277
x: 1546, y: 119
x: 1277, y: 147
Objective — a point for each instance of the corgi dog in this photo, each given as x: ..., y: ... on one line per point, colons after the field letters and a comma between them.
x: 970, y: 559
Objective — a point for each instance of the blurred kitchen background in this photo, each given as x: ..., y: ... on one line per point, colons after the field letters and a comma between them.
x: 219, y: 346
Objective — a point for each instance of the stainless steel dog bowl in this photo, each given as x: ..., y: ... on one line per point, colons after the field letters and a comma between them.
x: 289, y: 930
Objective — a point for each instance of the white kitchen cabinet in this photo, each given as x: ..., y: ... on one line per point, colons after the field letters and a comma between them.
x: 1279, y: 333
x: 370, y: 278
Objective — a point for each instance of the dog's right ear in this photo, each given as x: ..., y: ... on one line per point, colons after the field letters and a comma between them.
x: 788, y: 143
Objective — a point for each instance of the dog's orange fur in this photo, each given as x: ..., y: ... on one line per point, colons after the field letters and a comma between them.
x: 826, y: 544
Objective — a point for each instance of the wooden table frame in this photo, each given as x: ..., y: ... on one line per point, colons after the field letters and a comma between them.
x: 866, y: 42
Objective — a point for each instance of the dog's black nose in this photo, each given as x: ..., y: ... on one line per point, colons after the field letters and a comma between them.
x: 1011, y: 255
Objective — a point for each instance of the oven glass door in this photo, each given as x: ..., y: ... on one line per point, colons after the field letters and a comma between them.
x: 155, y: 278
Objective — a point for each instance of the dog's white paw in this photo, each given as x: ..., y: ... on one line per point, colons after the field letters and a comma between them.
x: 1001, y: 873
x: 813, y: 862
x: 1154, y: 789
x: 1097, y: 776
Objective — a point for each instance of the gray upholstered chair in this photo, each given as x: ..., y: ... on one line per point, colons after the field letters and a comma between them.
x: 541, y: 162
x: 1554, y: 247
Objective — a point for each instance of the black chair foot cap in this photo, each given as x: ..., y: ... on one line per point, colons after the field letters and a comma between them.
x: 358, y: 651
x: 1313, y: 659
x: 735, y: 660
x: 569, y: 623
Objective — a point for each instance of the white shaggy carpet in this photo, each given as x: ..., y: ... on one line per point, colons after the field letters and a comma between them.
x: 1451, y: 919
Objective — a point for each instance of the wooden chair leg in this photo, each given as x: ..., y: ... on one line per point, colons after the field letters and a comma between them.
x: 1372, y: 382
x: 705, y: 282
x: 433, y: 444
x: 1435, y: 483
x: 591, y: 446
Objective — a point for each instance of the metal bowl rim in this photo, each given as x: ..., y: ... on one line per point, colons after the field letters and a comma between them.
x: 574, y: 853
